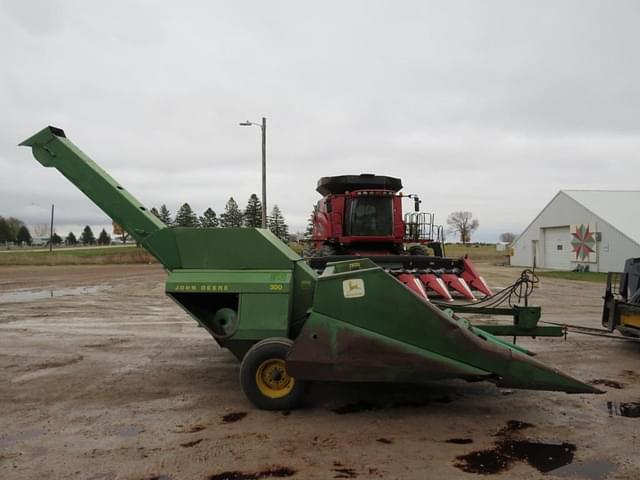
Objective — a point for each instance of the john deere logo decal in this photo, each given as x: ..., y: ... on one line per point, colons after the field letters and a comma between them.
x: 353, y: 288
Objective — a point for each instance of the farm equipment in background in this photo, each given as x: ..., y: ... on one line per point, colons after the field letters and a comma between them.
x: 290, y: 326
x: 361, y: 216
x: 622, y: 300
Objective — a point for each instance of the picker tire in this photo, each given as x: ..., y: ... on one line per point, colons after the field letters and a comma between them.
x: 264, y: 378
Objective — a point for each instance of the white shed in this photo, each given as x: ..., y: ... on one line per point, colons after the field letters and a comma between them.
x: 595, y: 228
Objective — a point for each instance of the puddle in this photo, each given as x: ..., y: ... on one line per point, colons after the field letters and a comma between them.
x: 386, y: 441
x: 275, y: 472
x: 607, y: 383
x: 233, y: 417
x: 589, y: 469
x: 459, y: 441
x: 622, y: 409
x: 18, y: 296
x: 544, y: 457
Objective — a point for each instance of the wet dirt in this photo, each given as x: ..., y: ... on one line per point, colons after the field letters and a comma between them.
x: 365, y: 405
x: 459, y: 441
x: 386, y: 441
x: 18, y: 296
x: 513, y: 426
x: 587, y: 470
x: 356, y: 407
x: 233, y: 417
x: 344, y: 473
x: 191, y: 444
x: 607, y: 383
x: 75, y: 370
x: 276, y: 472
x: 624, y: 409
x: 544, y: 457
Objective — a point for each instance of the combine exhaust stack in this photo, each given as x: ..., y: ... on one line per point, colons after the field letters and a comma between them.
x: 289, y: 326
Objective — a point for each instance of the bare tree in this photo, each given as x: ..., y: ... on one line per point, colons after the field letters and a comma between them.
x: 507, y: 237
x: 463, y: 224
x: 120, y: 232
x: 41, y: 230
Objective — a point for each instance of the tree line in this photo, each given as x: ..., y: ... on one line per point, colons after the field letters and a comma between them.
x: 232, y: 217
x: 13, y: 230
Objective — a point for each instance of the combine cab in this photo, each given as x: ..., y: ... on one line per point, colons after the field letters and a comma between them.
x: 362, y: 216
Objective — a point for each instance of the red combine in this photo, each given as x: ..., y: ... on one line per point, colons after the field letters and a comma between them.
x: 362, y: 216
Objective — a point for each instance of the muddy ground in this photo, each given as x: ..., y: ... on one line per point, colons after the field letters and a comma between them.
x: 105, y: 378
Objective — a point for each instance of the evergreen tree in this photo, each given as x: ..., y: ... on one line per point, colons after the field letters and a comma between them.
x: 155, y: 211
x: 277, y: 224
x: 186, y: 217
x: 165, y: 215
x: 309, y: 231
x: 87, y: 237
x: 232, y: 216
x: 14, y: 225
x: 104, y: 238
x: 5, y: 232
x: 253, y: 212
x: 56, y: 239
x: 71, y: 239
x: 209, y: 219
x: 24, y: 236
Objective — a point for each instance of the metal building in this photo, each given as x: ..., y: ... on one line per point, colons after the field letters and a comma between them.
x: 597, y: 229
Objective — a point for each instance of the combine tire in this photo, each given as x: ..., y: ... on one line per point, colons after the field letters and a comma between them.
x: 264, y: 378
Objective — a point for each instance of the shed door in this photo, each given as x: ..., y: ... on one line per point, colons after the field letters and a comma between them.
x: 557, y: 249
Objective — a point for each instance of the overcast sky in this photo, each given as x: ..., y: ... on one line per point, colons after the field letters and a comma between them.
x: 490, y: 107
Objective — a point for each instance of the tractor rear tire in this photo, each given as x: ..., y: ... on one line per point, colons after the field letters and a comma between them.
x: 264, y: 378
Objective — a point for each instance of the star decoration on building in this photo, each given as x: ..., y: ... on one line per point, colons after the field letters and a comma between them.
x: 583, y: 242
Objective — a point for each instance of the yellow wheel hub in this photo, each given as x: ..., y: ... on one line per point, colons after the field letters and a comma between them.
x: 272, y: 378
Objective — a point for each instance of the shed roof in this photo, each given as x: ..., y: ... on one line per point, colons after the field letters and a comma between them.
x: 619, y: 208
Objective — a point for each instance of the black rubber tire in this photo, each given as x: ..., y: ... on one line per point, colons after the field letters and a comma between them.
x: 269, y: 348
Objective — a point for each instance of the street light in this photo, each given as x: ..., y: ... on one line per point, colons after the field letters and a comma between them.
x: 263, y: 127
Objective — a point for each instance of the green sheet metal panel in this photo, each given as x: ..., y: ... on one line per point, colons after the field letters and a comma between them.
x: 229, y: 281
x: 233, y: 248
x: 377, y: 302
x: 262, y: 315
x: 332, y: 350
x: 52, y: 149
x: 220, y: 248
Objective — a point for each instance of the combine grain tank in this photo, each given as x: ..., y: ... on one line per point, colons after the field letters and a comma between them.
x: 289, y: 326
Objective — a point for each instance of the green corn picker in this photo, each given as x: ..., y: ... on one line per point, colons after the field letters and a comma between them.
x: 290, y: 326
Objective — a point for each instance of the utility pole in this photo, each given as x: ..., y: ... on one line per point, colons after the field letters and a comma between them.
x: 51, y: 230
x: 263, y: 127
x: 264, y: 172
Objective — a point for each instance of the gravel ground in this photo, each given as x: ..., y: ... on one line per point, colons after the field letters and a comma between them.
x: 103, y: 377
